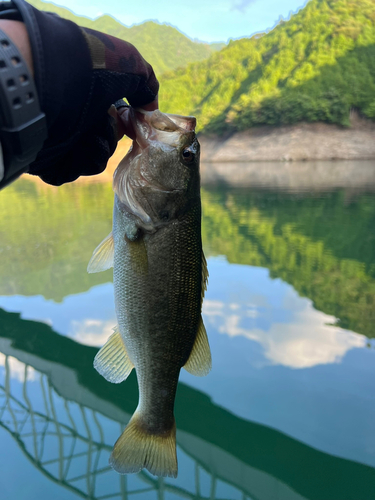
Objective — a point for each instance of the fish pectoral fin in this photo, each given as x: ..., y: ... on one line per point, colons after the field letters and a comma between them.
x: 199, y: 362
x: 137, y: 449
x: 112, y: 361
x: 102, y: 258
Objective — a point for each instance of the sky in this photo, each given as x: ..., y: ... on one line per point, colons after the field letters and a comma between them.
x: 206, y: 20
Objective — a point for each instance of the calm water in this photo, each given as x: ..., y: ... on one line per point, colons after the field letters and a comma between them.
x: 288, y: 411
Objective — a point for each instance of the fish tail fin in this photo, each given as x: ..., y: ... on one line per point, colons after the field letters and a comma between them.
x: 136, y: 449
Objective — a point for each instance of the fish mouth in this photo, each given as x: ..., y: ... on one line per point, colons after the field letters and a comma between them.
x: 125, y: 184
x: 187, y: 123
x: 157, y: 129
x: 172, y: 130
x: 167, y: 130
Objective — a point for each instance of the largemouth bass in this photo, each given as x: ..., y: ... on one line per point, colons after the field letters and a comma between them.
x: 159, y: 276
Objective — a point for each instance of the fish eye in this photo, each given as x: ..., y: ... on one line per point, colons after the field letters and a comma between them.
x: 187, y: 155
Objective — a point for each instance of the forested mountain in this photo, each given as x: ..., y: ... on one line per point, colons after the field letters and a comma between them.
x: 161, y: 45
x: 317, y: 66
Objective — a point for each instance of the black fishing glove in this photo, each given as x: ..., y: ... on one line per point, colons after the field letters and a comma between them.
x: 79, y: 73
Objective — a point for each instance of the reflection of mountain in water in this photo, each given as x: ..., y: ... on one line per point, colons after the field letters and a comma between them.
x: 47, y: 236
x: 75, y: 401
x: 323, y: 245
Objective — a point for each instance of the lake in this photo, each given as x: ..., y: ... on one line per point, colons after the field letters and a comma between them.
x: 288, y: 410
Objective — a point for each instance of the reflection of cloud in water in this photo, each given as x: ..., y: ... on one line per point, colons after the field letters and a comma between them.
x: 91, y: 331
x: 17, y: 369
x: 307, y: 340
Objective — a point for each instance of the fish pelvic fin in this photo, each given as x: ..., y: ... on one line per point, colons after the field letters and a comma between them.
x: 137, y: 449
x: 112, y: 361
x: 102, y: 258
x: 199, y: 362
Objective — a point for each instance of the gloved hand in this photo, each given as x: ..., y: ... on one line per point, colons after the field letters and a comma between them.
x: 79, y: 73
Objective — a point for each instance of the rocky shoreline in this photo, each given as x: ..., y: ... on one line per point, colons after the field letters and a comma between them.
x: 300, y: 142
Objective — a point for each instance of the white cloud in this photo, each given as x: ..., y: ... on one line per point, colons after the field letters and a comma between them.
x: 17, y: 369
x: 92, y: 332
x: 306, y: 340
x: 213, y: 308
x: 242, y: 5
x: 234, y: 307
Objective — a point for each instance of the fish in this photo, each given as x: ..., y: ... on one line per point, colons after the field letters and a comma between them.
x: 160, y: 277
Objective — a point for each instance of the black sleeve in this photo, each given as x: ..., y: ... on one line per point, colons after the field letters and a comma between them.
x: 79, y: 73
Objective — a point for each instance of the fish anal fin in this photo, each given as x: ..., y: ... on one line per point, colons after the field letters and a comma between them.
x: 199, y: 362
x: 112, y: 361
x: 137, y: 449
x: 102, y: 258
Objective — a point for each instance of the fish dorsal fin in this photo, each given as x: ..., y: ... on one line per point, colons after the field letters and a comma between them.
x: 204, y: 275
x: 102, y: 258
x: 199, y: 362
x: 112, y: 361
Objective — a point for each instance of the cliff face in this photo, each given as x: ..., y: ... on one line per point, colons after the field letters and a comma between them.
x: 303, y: 141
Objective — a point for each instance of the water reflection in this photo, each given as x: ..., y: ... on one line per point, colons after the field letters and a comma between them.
x: 290, y: 313
x: 308, y: 176
x: 322, y: 244
x: 291, y: 333
x: 64, y: 418
x: 242, y: 301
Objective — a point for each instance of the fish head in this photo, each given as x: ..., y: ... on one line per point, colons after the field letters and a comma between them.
x: 159, y: 178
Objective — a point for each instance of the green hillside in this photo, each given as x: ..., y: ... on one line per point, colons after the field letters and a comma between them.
x: 163, y: 46
x: 317, y: 66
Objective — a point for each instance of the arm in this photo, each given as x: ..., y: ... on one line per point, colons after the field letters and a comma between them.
x: 17, y: 31
x: 79, y: 73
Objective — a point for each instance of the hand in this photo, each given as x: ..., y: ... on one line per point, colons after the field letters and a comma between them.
x: 79, y: 73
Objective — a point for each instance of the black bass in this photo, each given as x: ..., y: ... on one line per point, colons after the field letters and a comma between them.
x: 159, y: 276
